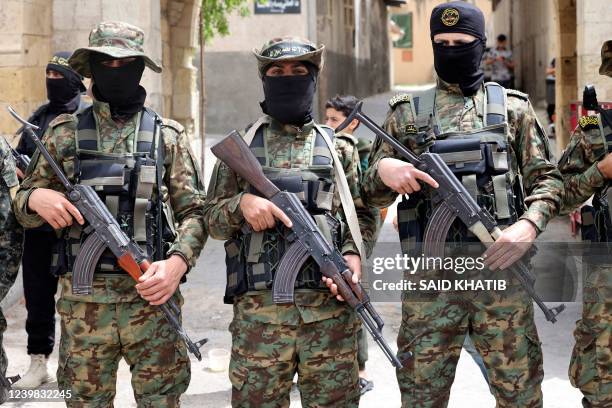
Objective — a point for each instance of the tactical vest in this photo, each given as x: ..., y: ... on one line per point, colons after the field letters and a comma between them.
x: 597, y: 220
x: 480, y: 158
x: 253, y: 257
x: 124, y: 182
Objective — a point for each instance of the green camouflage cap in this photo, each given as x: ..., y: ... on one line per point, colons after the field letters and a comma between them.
x: 288, y: 49
x: 606, y: 59
x: 115, y: 39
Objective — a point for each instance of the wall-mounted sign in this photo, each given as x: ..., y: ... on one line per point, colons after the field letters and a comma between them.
x: 278, y: 7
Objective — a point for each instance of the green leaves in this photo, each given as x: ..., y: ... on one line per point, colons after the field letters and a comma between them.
x: 214, y: 16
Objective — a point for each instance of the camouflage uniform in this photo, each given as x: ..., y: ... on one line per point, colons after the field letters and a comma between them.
x: 503, y: 330
x: 591, y: 364
x: 114, y: 321
x: 10, y: 237
x: 316, y: 335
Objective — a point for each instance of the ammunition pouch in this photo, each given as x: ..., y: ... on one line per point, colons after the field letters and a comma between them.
x: 252, y: 258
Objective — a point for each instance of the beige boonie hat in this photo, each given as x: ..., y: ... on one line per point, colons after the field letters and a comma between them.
x: 288, y: 49
x: 606, y: 59
x: 115, y: 39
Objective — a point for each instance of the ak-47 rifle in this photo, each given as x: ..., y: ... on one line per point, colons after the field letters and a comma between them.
x: 305, y: 241
x: 452, y: 200
x: 106, y: 233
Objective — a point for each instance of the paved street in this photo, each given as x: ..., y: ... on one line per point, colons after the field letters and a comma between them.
x: 205, y: 315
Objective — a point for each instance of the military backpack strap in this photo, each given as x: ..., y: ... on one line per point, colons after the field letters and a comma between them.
x: 495, y: 104
x: 346, y: 197
x: 87, y: 134
x: 144, y: 139
x: 424, y: 104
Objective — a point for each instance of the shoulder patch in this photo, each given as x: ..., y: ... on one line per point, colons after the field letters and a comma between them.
x: 588, y: 122
x: 410, y: 128
x: 63, y: 118
x: 173, y: 124
x: 518, y: 94
x: 399, y: 98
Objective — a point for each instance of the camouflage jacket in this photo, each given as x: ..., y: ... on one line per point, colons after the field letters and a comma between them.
x: 287, y: 147
x: 578, y: 165
x: 530, y: 152
x: 10, y: 231
x: 182, y: 184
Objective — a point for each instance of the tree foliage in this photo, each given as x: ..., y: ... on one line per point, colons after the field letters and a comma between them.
x: 214, y: 14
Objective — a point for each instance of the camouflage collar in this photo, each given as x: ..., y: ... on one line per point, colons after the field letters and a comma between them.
x: 447, y: 87
x: 103, y: 114
x: 298, y: 132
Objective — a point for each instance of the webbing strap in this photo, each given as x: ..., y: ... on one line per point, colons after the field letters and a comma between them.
x: 112, y: 203
x: 146, y: 180
x: 255, y: 247
x: 250, y: 134
x: 424, y: 104
x: 140, y: 224
x: 502, y: 206
x: 495, y: 106
x: 470, y: 184
x: 346, y: 197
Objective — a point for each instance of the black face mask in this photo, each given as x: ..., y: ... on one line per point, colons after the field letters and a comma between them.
x: 460, y: 65
x: 288, y: 99
x: 119, y: 87
x: 63, y: 95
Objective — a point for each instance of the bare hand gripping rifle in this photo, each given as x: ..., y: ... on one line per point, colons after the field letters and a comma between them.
x: 451, y: 201
x: 105, y: 232
x: 305, y: 241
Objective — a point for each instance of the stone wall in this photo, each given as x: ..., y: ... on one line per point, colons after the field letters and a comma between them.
x: 31, y: 30
x: 25, y: 48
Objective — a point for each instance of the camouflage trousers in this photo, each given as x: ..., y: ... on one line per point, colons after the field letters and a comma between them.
x: 503, y: 332
x: 11, y: 240
x: 591, y: 364
x: 114, y: 322
x: 267, y: 355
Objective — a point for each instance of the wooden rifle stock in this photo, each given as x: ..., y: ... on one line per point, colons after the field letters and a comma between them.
x: 237, y: 155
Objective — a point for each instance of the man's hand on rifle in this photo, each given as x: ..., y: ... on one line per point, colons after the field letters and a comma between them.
x: 402, y: 177
x: 54, y: 208
x: 605, y: 166
x: 260, y: 213
x: 160, y: 281
x: 511, y: 245
x: 354, y: 263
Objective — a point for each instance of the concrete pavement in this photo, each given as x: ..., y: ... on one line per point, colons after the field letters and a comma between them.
x: 206, y: 316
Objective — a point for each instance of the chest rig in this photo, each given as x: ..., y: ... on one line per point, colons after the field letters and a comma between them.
x: 252, y: 258
x: 124, y: 182
x: 597, y: 220
x: 480, y: 158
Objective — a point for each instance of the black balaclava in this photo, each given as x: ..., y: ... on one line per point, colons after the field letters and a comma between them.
x: 459, y: 64
x: 64, y: 94
x: 288, y: 99
x: 119, y: 87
